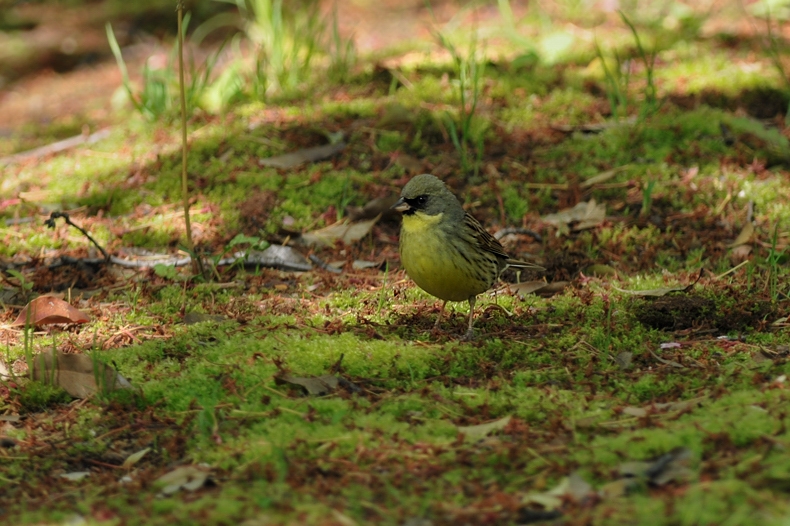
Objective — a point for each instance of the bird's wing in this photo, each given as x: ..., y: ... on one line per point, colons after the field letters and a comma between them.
x: 491, y: 244
x: 484, y: 240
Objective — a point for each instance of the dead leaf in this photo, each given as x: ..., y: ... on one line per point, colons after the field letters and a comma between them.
x: 683, y: 405
x: 314, y: 385
x: 473, y: 433
x: 46, y: 310
x: 345, y: 231
x: 306, y: 155
x: 190, y: 478
x: 539, y: 287
x: 343, y: 519
x: 278, y: 256
x: 362, y: 265
x: 662, y: 470
x: 577, y: 488
x: 602, y: 177
x: 744, y: 237
x: 526, y: 287
x: 638, y: 412
x: 740, y: 254
x: 55, y: 147
x: 671, y: 363
x: 617, y: 488
x: 381, y: 206
x: 134, y: 458
x: 623, y: 360
x: 573, y: 486
x: 75, y: 476
x: 80, y: 375
x: 584, y: 215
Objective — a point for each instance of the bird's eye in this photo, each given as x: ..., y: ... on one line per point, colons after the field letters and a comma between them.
x: 420, y: 200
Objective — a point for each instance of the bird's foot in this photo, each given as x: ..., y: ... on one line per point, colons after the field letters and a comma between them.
x: 470, y: 335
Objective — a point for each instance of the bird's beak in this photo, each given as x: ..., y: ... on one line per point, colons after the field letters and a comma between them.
x: 400, y: 205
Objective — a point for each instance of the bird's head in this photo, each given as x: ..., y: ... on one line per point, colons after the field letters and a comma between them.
x: 427, y: 194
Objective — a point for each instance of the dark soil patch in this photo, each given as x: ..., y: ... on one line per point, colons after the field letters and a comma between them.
x: 677, y: 313
x: 761, y: 103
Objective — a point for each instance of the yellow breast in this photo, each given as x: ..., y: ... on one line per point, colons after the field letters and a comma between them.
x: 433, y: 261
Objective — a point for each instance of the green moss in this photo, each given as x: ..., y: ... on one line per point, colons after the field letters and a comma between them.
x: 389, y: 142
x: 38, y: 396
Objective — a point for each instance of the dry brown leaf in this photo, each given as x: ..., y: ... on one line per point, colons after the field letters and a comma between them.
x: 75, y: 476
x: 78, y: 374
x: 744, y: 237
x: 537, y: 287
x: 638, y: 412
x: 279, y: 256
x: 682, y: 405
x: 664, y: 469
x: 190, y: 478
x: 134, y: 458
x: 584, y: 215
x: 624, y: 359
x: 344, y: 231
x: 618, y: 488
x: 362, y: 265
x: 572, y: 486
x: 46, y: 310
x: 740, y: 254
x: 314, y: 385
x: 381, y: 206
x: 472, y: 433
x: 306, y: 155
x: 526, y: 287
x: 602, y: 177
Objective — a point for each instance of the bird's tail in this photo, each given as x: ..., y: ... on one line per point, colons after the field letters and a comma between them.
x: 524, y: 264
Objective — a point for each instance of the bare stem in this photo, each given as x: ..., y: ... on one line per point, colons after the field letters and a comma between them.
x: 184, y: 181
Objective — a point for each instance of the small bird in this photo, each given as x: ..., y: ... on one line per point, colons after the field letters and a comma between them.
x: 445, y: 250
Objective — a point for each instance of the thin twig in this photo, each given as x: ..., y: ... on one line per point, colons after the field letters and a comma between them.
x: 55, y: 147
x: 51, y: 224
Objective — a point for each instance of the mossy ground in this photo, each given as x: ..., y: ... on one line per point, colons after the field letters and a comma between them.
x: 582, y: 374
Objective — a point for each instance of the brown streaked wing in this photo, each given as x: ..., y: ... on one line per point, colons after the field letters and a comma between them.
x: 491, y: 244
x: 484, y: 240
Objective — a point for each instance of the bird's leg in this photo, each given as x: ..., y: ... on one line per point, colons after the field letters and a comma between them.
x: 470, y: 332
x: 439, y: 317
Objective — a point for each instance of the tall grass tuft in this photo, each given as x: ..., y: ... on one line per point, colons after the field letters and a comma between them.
x: 466, y: 131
